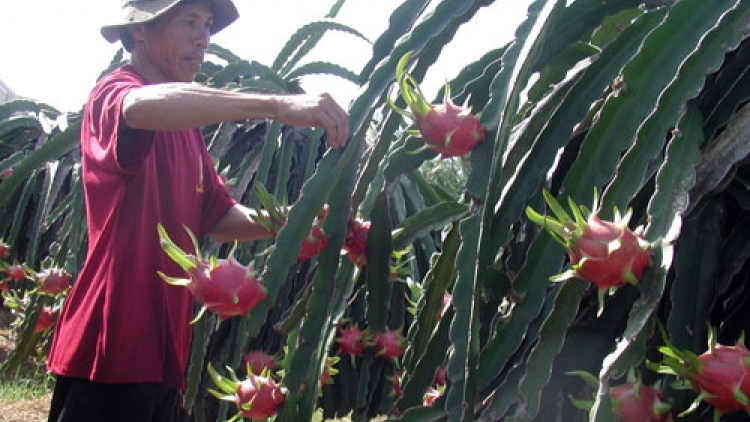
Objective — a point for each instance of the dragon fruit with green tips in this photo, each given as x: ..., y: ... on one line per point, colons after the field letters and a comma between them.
x: 257, y: 397
x: 606, y: 253
x: 720, y: 376
x: 446, y: 128
x: 223, y: 286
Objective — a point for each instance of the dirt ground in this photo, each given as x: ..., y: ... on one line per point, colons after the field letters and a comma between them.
x: 23, y: 411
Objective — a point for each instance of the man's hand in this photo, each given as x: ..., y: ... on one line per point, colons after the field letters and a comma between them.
x: 322, y: 111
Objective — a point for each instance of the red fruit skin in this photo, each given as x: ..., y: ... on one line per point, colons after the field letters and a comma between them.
x: 313, y: 244
x: 352, y: 341
x: 390, y: 344
x: 431, y: 395
x: 258, y: 397
x: 607, y: 269
x: 723, y: 370
x: 395, y: 384
x: 229, y: 289
x: 450, y: 130
x: 259, y: 360
x: 4, y: 248
x: 53, y: 281
x: 641, y: 407
x: 45, y: 320
x: 16, y: 272
x: 355, y: 243
x: 440, y: 375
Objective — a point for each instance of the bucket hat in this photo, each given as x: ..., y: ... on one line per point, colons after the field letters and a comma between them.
x: 141, y: 11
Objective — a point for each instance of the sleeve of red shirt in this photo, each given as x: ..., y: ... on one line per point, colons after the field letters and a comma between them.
x: 106, y: 105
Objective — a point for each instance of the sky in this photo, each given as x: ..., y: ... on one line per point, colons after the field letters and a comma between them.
x: 52, y: 50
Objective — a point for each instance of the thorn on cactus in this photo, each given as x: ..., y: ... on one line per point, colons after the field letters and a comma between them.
x: 605, y: 253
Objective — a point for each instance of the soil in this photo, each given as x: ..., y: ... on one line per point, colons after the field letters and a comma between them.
x: 32, y: 410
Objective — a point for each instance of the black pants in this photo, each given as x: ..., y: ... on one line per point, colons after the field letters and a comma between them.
x: 80, y: 400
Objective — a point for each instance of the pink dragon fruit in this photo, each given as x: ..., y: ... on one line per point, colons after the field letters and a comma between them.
x: 607, y: 254
x: 53, y: 281
x: 720, y: 376
x: 355, y: 243
x: 639, y: 403
x: 353, y: 341
x: 447, y: 129
x: 632, y: 401
x: 45, y: 320
x: 257, y: 361
x: 315, y: 243
x: 257, y: 397
x: 440, y: 376
x: 390, y: 344
x: 312, y: 245
x: 16, y: 272
x: 223, y: 286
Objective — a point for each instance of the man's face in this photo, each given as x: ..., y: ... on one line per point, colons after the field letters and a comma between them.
x: 174, y: 44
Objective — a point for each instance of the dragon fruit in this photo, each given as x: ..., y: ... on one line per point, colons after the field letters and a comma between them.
x: 16, y: 272
x: 276, y: 216
x: 53, y: 281
x: 440, y: 376
x: 390, y: 344
x: 257, y: 361
x: 223, y: 286
x: 720, y: 376
x: 353, y: 341
x: 355, y: 243
x: 45, y: 320
x: 639, y: 403
x: 313, y: 244
x: 632, y: 401
x: 257, y: 397
x: 447, y: 129
x: 605, y: 253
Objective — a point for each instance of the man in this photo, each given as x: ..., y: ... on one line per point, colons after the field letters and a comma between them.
x: 121, y: 345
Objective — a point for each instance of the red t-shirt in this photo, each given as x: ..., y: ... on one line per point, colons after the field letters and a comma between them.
x: 121, y: 323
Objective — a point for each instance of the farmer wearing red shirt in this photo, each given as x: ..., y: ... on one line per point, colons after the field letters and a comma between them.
x: 121, y: 346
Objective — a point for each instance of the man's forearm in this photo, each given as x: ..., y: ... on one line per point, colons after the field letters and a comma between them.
x: 178, y: 106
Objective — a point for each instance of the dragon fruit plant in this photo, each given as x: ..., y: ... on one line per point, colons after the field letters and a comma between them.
x: 223, y: 286
x: 257, y: 397
x: 632, y: 401
x: 605, y: 253
x: 720, y: 376
x: 447, y: 129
